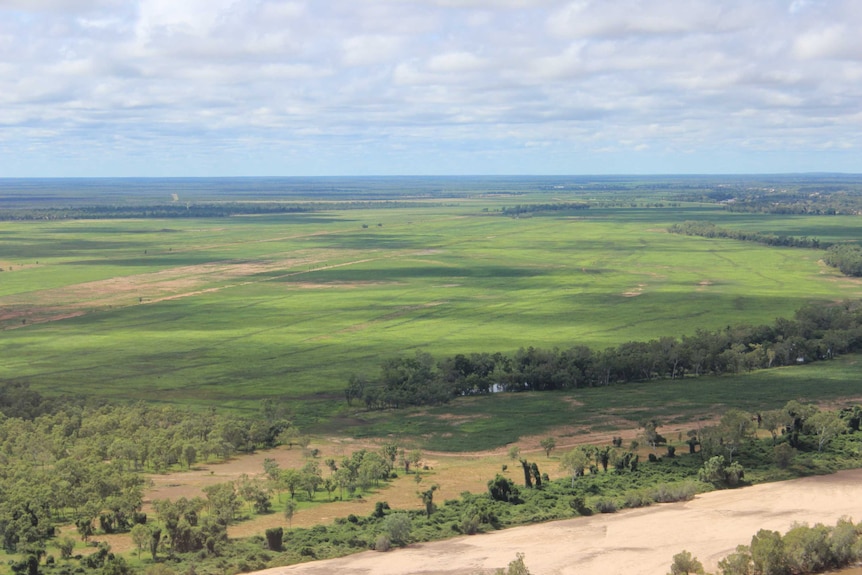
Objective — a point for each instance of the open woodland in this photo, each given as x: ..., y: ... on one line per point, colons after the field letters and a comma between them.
x: 246, y: 306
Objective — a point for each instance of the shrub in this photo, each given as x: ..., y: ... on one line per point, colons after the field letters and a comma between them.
x: 807, y: 548
x: 606, y: 506
x: 737, y: 563
x: 502, y: 489
x: 842, y: 541
x: 783, y: 455
x: 767, y: 553
x: 670, y: 492
x: 516, y: 567
x: 397, y: 528
x: 634, y: 499
x: 66, y: 546
x: 713, y: 470
x: 274, y: 538
x: 470, y: 524
x: 579, y: 505
x: 382, y: 543
x: 734, y: 473
x: 684, y: 563
x: 380, y: 509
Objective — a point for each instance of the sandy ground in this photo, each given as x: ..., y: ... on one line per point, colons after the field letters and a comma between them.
x: 640, y: 541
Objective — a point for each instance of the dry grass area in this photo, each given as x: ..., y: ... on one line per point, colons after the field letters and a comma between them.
x: 454, y: 473
x: 634, y: 292
x: 152, y: 287
x: 55, y: 304
x: 182, y: 281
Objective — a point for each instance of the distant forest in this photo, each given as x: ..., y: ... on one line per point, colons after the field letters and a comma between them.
x: 189, y: 210
x: 803, y: 198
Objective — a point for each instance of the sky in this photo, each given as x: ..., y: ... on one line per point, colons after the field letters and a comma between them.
x: 426, y: 87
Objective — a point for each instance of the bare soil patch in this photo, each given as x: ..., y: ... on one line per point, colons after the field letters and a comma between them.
x: 153, y: 287
x: 182, y: 281
x: 634, y: 292
x: 343, y: 285
x: 460, y: 419
x: 573, y: 402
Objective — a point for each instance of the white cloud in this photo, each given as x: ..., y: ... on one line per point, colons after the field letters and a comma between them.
x: 68, y: 6
x: 197, y: 17
x: 373, y: 49
x: 482, y: 78
x: 456, y: 62
x: 832, y: 42
x: 621, y: 18
x: 279, y: 12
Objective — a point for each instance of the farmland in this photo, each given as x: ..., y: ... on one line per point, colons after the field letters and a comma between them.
x: 229, y: 311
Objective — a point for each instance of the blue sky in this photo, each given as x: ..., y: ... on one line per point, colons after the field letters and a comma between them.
x: 360, y: 87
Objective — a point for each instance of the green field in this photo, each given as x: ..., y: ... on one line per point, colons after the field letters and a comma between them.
x: 229, y: 311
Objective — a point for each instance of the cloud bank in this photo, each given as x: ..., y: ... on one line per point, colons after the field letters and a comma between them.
x: 265, y: 87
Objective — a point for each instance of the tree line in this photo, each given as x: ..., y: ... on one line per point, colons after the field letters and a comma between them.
x: 538, y: 208
x: 847, y: 258
x: 171, y: 210
x: 192, y: 210
x: 817, y: 332
x: 710, y: 230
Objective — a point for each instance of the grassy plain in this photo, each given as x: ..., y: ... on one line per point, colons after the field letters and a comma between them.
x: 226, y: 312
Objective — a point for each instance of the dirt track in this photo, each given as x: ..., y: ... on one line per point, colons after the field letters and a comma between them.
x: 640, y: 541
